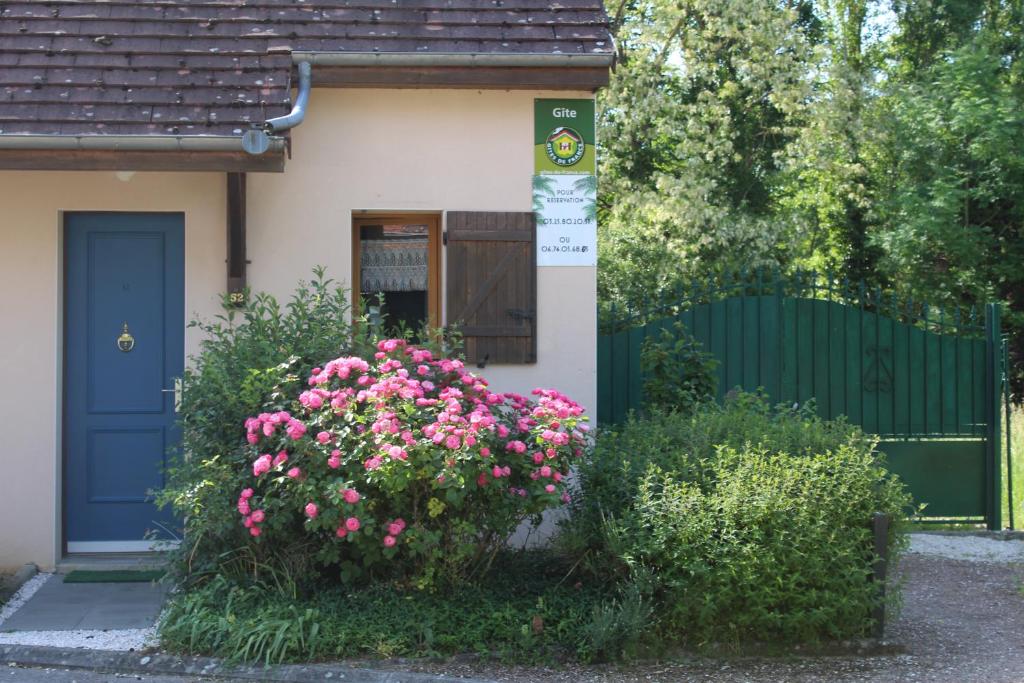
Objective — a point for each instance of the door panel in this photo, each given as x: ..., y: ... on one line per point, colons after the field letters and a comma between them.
x: 124, y: 344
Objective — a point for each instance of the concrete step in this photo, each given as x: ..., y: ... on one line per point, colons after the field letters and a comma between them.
x: 111, y: 561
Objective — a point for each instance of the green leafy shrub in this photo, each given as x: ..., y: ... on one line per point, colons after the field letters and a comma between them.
x: 678, y: 373
x: 751, y: 522
x: 251, y: 356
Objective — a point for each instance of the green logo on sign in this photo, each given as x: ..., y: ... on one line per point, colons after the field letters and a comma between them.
x: 565, y: 146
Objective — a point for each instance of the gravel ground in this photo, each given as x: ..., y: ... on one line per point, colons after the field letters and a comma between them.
x: 962, y: 622
x: 121, y: 640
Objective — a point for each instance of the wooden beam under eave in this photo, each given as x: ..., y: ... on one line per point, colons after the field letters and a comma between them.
x: 113, y: 160
x: 484, y: 78
x: 236, y: 250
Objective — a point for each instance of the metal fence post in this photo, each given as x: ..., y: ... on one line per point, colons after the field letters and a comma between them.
x: 994, y: 390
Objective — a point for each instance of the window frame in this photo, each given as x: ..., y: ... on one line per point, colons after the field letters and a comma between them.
x: 434, y: 255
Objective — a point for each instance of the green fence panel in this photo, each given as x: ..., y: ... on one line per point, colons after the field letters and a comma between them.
x: 902, y: 372
x: 947, y: 476
x: 769, y: 334
x: 901, y: 396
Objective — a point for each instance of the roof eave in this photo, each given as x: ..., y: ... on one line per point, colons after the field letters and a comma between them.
x: 548, y: 71
x: 456, y: 59
x: 136, y: 152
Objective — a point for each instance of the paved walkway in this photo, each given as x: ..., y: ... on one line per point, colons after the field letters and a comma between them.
x: 59, y: 606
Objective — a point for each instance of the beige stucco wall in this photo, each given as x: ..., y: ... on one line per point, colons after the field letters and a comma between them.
x: 419, y: 150
x: 30, y: 308
x: 358, y: 149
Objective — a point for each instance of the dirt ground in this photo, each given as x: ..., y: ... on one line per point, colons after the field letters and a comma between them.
x: 962, y: 622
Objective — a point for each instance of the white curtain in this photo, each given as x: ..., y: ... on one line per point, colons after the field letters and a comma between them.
x: 393, y: 265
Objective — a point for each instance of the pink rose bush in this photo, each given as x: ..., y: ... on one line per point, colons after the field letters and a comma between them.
x: 407, y: 464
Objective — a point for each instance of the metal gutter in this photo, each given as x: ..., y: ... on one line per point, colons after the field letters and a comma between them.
x: 453, y: 59
x: 298, y: 112
x: 131, y: 143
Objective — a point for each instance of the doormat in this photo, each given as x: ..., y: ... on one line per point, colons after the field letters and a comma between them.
x: 116, y: 576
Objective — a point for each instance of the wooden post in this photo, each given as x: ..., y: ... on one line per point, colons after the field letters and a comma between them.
x: 880, y: 531
x: 235, y: 223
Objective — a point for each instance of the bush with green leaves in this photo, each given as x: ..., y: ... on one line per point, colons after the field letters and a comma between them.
x: 678, y: 373
x: 751, y: 522
x: 251, y: 357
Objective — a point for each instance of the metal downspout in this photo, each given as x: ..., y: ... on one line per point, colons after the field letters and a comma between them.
x: 298, y: 112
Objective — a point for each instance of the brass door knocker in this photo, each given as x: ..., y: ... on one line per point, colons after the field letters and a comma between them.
x: 126, y: 342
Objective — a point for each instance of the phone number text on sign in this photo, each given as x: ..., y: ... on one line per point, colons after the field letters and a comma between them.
x: 566, y: 222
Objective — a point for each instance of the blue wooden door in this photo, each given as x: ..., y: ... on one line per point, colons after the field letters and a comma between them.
x: 124, y: 344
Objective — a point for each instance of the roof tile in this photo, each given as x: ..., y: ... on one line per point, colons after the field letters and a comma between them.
x: 204, y: 67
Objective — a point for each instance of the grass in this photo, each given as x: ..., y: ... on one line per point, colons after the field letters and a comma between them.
x: 530, y: 609
x: 1016, y: 442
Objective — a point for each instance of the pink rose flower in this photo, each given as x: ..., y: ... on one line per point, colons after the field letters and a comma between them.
x: 342, y: 532
x: 389, y: 541
x: 295, y: 473
x: 258, y: 516
x: 255, y: 530
x: 352, y: 524
x: 261, y: 465
x: 247, y: 493
x: 550, y: 488
x: 351, y: 496
x: 323, y: 437
x: 311, y: 510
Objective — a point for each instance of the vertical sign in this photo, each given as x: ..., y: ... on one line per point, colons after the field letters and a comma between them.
x: 565, y: 182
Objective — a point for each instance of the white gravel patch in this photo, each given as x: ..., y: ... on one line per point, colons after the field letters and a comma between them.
x: 125, y: 640
x: 27, y: 590
x: 121, y: 640
x: 966, y: 547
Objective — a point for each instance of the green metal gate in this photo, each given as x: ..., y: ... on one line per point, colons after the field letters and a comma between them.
x: 928, y: 383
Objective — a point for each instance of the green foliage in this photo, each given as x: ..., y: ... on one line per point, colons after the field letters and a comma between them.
x: 249, y: 357
x: 530, y: 609
x: 706, y: 97
x: 880, y: 139
x: 746, y: 522
x: 678, y: 373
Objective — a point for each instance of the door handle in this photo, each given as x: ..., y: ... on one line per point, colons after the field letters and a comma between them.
x: 177, y: 394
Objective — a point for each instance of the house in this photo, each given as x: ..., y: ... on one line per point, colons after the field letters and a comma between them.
x: 155, y: 154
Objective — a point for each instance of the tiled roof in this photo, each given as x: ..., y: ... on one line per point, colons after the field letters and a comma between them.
x: 214, y: 67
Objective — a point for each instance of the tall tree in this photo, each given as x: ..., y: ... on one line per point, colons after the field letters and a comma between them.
x: 706, y: 97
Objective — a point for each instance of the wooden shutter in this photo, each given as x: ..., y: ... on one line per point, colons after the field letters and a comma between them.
x: 492, y: 285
